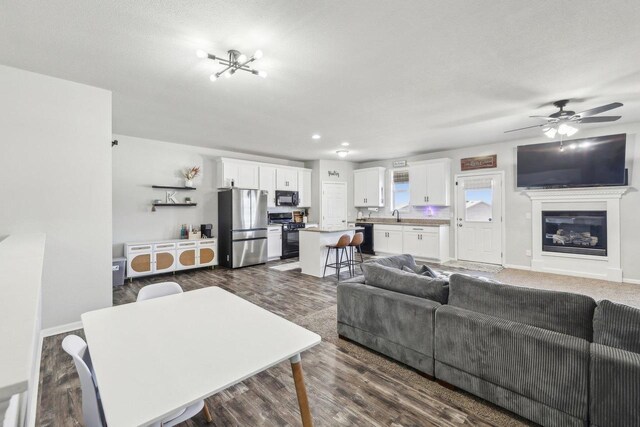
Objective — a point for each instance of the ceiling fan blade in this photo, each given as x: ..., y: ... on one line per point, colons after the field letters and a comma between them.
x: 598, y: 110
x: 600, y: 119
x: 528, y: 127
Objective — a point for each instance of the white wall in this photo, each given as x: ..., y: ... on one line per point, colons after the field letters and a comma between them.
x: 518, y: 227
x: 139, y: 163
x: 56, y: 174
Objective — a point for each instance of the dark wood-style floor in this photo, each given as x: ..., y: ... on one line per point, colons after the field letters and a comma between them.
x: 343, y: 391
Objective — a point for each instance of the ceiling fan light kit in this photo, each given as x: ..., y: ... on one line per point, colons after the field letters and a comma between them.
x: 564, y: 123
x: 236, y: 61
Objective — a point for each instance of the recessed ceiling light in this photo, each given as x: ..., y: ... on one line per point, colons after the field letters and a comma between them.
x: 315, y: 136
x: 345, y: 144
x: 342, y: 153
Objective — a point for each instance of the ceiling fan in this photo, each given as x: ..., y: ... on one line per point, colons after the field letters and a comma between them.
x: 563, y: 122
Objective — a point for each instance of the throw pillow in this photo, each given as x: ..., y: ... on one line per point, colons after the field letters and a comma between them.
x: 396, y: 280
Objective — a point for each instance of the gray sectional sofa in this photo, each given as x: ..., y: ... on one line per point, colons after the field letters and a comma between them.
x: 556, y: 358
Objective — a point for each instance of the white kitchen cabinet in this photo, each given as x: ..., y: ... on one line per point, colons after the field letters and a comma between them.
x: 388, y: 239
x: 274, y: 242
x: 286, y: 179
x: 368, y: 187
x: 430, y: 183
x: 304, y: 188
x: 421, y: 242
x: 164, y: 257
x: 268, y: 184
x: 241, y: 174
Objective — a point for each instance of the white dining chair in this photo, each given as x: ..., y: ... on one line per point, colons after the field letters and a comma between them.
x: 158, y: 290
x: 92, y: 412
x: 163, y: 289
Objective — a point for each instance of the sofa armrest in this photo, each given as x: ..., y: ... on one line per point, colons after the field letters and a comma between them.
x: 399, y: 318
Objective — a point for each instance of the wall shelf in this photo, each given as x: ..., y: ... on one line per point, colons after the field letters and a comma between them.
x: 175, y: 204
x: 171, y: 187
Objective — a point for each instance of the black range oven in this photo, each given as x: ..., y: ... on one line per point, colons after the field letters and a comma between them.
x: 291, y: 239
x: 290, y: 233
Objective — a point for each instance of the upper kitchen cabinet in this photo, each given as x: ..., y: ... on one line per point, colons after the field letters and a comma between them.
x: 238, y: 173
x: 286, y: 179
x: 268, y: 184
x: 304, y: 188
x: 368, y: 187
x: 430, y: 182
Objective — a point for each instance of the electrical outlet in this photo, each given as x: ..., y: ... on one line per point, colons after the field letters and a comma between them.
x: 528, y: 252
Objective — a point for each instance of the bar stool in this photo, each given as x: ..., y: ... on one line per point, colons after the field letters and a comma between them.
x: 355, y: 243
x: 341, y: 249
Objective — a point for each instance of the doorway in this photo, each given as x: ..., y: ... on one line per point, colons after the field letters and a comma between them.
x: 334, y: 204
x: 480, y: 217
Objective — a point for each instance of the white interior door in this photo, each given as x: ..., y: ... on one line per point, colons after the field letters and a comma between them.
x: 334, y: 204
x: 479, y: 218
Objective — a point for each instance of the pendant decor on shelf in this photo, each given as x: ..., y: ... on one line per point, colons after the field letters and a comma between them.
x: 189, y: 176
x: 236, y: 62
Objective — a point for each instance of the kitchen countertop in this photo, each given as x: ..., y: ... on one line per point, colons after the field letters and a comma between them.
x: 428, y: 222
x: 331, y: 230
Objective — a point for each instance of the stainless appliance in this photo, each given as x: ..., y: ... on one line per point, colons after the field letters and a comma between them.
x: 286, y: 198
x: 206, y: 230
x: 242, y: 227
x: 290, y: 233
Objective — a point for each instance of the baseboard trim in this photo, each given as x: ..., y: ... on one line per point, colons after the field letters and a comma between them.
x: 61, y: 329
x: 517, y: 267
x: 631, y: 281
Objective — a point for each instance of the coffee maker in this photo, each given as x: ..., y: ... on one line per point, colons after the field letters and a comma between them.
x: 206, y: 230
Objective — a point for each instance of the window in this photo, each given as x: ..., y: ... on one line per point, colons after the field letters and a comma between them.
x: 478, y: 197
x: 400, y: 189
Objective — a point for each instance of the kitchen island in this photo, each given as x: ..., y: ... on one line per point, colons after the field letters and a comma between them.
x: 313, y: 247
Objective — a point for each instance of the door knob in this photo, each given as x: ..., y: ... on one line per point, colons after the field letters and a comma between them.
x: 459, y: 225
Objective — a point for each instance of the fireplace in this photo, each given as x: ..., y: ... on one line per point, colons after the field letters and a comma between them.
x: 575, y: 232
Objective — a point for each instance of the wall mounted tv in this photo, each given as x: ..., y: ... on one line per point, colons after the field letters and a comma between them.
x: 587, y: 162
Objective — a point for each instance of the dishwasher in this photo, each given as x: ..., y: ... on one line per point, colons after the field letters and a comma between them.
x: 367, y: 245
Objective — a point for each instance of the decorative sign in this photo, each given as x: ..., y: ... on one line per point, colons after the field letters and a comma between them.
x: 480, y: 162
x: 399, y: 163
x: 334, y: 173
x: 171, y: 197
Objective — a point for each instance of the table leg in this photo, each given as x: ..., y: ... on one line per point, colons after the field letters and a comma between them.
x: 301, y: 391
x: 207, y: 414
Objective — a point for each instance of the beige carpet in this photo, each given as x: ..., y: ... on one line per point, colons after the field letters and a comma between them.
x: 324, y: 323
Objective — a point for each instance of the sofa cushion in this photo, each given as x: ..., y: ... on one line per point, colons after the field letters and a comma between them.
x: 396, y: 261
x: 562, y: 312
x: 615, y: 389
x: 545, y: 366
x: 617, y: 325
x: 400, y: 281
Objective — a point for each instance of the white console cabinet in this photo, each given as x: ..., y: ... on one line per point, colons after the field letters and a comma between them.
x: 165, y: 256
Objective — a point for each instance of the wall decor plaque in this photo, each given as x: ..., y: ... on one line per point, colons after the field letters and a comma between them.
x: 480, y: 162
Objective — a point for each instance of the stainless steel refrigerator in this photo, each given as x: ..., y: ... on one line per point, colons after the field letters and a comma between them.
x: 242, y: 227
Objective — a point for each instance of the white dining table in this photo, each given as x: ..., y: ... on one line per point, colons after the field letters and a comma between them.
x: 154, y: 357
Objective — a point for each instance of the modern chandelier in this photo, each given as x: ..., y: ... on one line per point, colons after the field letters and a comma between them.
x: 237, y: 61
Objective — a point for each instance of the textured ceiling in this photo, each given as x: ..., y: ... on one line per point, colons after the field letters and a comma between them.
x: 392, y: 78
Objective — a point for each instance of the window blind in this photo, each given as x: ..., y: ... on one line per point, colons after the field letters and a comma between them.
x: 401, y: 176
x: 478, y: 183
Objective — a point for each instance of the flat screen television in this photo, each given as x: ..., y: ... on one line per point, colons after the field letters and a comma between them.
x: 587, y: 162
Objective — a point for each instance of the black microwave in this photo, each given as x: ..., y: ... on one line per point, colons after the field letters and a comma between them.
x: 286, y: 198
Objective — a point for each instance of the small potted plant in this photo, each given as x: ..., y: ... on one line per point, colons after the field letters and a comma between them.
x: 189, y: 175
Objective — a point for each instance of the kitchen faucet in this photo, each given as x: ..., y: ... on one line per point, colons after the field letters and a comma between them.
x: 396, y: 211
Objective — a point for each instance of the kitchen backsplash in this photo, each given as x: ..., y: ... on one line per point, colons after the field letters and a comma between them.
x: 436, y: 212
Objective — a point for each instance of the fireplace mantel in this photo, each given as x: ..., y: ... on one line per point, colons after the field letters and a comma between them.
x: 586, y: 193
x: 578, y: 199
